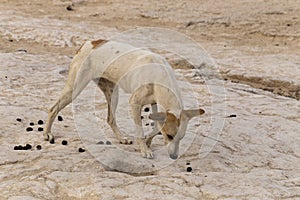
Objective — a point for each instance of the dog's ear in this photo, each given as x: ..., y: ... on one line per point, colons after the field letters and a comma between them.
x: 158, y: 116
x: 192, y: 113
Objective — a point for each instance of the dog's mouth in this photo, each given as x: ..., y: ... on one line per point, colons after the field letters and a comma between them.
x: 173, y: 156
x: 173, y: 150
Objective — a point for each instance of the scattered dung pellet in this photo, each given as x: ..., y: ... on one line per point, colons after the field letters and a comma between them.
x: 24, y: 148
x: 81, y: 150
x: 188, y: 163
x: 40, y: 122
x: 189, y: 169
x: 40, y: 128
x: 31, y: 124
x: 232, y: 116
x: 29, y: 129
x: 147, y: 109
x: 147, y: 124
x: 108, y: 143
x: 64, y: 142
x: 38, y: 147
x: 59, y: 118
x: 28, y: 146
x: 19, y: 119
x: 100, y: 142
x: 18, y: 147
x: 142, y: 117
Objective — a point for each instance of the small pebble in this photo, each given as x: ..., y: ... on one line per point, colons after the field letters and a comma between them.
x: 38, y: 147
x: 29, y: 129
x: 81, y: 150
x: 40, y: 122
x: 19, y: 119
x: 31, y: 124
x: 40, y: 128
x: 108, y: 143
x: 152, y: 124
x: 147, y: 109
x: 28, y: 146
x: 100, y: 142
x: 64, y: 142
x: 70, y: 8
x: 59, y: 118
x: 189, y: 169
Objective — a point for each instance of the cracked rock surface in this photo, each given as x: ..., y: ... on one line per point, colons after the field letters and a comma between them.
x: 256, y: 155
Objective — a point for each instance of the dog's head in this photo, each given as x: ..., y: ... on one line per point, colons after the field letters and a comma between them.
x: 173, y: 129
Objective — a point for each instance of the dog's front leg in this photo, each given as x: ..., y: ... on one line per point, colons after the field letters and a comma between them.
x: 140, y: 138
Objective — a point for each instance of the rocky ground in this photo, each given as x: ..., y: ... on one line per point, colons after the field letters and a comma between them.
x: 251, y: 92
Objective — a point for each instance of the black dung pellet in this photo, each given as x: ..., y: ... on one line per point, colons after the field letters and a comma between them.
x: 147, y: 109
x: 24, y: 148
x: 64, y: 142
x: 189, y: 169
x: 100, y: 142
x: 59, y: 118
x: 147, y: 124
x: 40, y: 128
x: 188, y: 163
x: 28, y: 146
x: 40, y: 122
x: 29, y: 129
x: 17, y: 148
x: 142, y: 117
x: 19, y: 119
x: 108, y: 143
x: 81, y: 150
x: 232, y: 116
x: 31, y: 124
x: 38, y: 147
x: 52, y: 141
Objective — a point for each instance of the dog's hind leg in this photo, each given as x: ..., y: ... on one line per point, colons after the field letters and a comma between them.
x: 62, y: 102
x: 111, y: 92
x: 74, y: 85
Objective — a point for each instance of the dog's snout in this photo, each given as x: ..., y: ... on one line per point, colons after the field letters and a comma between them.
x: 173, y: 156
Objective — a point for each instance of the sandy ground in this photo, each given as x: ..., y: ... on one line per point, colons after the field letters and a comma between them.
x: 255, y: 48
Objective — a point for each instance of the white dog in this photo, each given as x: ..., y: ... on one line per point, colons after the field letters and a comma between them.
x: 144, y: 74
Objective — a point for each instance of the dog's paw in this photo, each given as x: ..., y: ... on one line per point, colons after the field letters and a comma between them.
x: 49, y: 137
x: 125, y: 141
x: 147, y: 154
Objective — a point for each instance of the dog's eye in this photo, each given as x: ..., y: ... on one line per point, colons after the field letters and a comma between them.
x: 170, y: 137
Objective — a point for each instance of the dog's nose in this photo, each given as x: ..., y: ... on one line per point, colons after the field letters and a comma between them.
x: 173, y: 156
